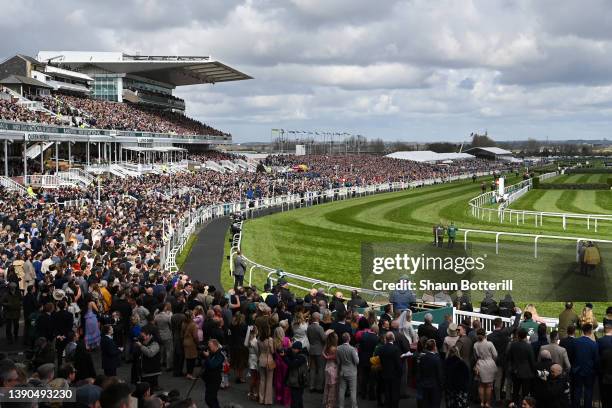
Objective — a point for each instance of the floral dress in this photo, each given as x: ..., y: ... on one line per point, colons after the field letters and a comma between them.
x: 330, y: 392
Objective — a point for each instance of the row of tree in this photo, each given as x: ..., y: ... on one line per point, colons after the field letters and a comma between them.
x: 361, y: 144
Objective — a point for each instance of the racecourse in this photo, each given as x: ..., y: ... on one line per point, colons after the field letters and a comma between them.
x: 324, y: 241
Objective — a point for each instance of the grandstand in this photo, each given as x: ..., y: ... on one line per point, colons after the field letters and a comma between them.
x: 121, y: 106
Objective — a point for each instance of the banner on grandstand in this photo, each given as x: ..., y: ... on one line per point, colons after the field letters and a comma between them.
x: 558, y: 274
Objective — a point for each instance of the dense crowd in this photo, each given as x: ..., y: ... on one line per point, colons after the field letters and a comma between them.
x: 359, y: 169
x: 215, y: 155
x: 89, y: 283
x: 17, y: 113
x: 101, y: 114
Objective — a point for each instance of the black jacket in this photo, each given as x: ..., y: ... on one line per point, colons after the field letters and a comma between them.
x: 44, y: 326
x: 390, y: 361
x: 62, y: 322
x: 501, y: 338
x: 569, y: 344
x: 111, y: 355
x: 83, y: 362
x: 521, y: 360
x: 457, y: 374
x: 429, y: 331
x: 429, y: 371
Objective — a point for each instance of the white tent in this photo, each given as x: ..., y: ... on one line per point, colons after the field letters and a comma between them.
x: 429, y: 156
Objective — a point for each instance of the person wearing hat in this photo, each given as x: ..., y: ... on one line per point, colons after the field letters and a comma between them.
x: 451, y: 338
x: 297, y: 373
x: 588, y: 317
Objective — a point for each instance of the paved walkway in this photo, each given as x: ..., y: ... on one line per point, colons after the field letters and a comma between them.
x: 206, y: 257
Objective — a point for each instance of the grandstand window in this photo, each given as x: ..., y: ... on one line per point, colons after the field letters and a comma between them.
x: 107, y: 87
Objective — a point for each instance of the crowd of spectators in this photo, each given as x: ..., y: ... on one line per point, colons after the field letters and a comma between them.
x: 214, y: 155
x: 11, y: 111
x: 102, y: 114
x: 357, y: 169
x: 88, y: 282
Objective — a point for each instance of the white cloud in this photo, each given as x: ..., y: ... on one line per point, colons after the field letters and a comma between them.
x: 407, y: 68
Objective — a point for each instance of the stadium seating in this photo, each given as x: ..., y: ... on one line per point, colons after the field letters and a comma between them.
x: 106, y: 115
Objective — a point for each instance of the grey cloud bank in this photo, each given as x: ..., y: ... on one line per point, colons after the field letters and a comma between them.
x: 411, y: 70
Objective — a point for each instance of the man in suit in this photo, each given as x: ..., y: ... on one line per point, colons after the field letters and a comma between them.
x: 391, y: 374
x: 430, y: 376
x: 557, y: 353
x: 585, y: 367
x: 111, y: 354
x: 239, y: 269
x: 500, y: 337
x: 347, y: 360
x: 316, y: 338
x: 341, y: 326
x: 427, y: 329
x: 522, y: 365
x: 569, y: 343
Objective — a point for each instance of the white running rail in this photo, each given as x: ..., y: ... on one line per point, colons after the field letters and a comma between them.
x: 503, y: 214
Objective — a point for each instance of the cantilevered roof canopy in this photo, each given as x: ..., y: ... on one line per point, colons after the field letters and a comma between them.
x: 173, y: 70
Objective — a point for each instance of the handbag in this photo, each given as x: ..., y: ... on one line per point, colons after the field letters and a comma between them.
x: 271, y: 364
x: 375, y: 363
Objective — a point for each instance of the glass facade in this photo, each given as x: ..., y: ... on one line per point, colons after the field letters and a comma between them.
x: 107, y: 87
x: 132, y: 83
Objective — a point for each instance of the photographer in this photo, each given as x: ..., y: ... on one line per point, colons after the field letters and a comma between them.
x: 212, y: 367
x: 150, y: 357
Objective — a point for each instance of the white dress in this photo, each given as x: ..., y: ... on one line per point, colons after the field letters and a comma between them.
x: 299, y: 334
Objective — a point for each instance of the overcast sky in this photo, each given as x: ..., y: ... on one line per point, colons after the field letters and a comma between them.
x: 402, y: 70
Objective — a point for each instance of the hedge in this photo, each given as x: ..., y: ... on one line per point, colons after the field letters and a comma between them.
x: 572, y: 186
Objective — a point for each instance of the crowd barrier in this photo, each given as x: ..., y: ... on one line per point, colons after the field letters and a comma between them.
x: 182, y: 230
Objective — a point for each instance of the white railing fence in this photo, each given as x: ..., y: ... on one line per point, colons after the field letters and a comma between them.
x: 179, y: 231
x: 504, y: 214
x: 536, y: 238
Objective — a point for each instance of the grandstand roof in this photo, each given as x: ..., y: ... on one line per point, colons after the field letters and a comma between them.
x: 428, y: 156
x: 18, y: 79
x: 169, y: 69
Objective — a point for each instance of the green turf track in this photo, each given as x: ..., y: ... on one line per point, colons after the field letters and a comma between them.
x: 572, y: 201
x: 324, y: 241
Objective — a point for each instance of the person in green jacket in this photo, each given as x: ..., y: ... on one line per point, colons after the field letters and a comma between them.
x: 530, y: 325
x: 568, y: 317
x: 452, y: 234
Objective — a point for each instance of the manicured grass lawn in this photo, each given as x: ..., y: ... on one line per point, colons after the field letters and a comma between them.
x: 324, y: 241
x: 182, y: 257
x: 574, y: 201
